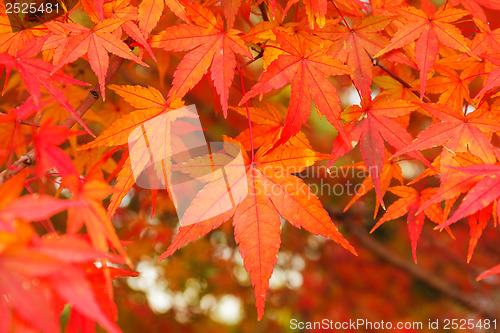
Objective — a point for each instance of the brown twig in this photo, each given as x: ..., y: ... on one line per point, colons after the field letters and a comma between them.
x: 417, y: 272
x: 23, y: 122
x: 376, y: 62
x: 29, y: 158
x: 263, y: 10
x: 23, y: 162
x: 94, y: 93
x: 258, y: 56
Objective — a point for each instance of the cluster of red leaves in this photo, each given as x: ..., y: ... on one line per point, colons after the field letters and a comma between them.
x: 318, y: 47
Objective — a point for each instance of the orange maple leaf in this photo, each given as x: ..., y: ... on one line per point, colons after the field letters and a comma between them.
x: 37, y: 272
x: 214, y: 48
x: 452, y: 87
x: 149, y: 14
x: 121, y: 9
x: 97, y: 42
x: 268, y: 121
x: 272, y: 192
x: 89, y: 212
x: 149, y: 103
x: 308, y: 70
x: 486, y: 41
x: 430, y: 29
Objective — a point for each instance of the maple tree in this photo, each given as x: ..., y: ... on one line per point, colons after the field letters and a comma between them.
x: 399, y: 97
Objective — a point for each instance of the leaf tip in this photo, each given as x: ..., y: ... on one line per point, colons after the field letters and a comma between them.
x: 164, y: 256
x: 414, y: 253
x: 260, y: 305
x: 128, y: 261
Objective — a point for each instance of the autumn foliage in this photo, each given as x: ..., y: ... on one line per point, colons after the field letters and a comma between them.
x: 277, y: 79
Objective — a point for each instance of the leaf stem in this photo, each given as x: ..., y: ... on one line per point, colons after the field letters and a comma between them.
x: 274, y: 47
x: 248, y: 114
x: 341, y: 15
x: 474, y: 75
x: 23, y: 122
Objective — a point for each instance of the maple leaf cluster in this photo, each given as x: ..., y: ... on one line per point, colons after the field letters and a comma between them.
x: 426, y: 77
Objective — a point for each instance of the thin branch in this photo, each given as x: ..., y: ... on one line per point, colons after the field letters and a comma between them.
x: 251, y: 61
x: 248, y: 115
x: 28, y: 159
x: 25, y: 161
x: 417, y: 272
x: 23, y: 122
x: 263, y: 10
x: 94, y: 93
x: 376, y: 62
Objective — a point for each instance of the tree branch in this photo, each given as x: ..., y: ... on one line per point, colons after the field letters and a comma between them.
x: 263, y: 10
x: 376, y: 62
x: 417, y: 272
x: 94, y: 93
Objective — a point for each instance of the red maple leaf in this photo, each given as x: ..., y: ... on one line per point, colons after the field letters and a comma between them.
x: 457, y: 132
x: 409, y: 203
x: 371, y: 125
x: 36, y: 73
x: 355, y: 45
